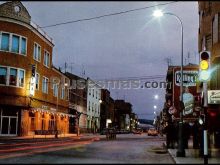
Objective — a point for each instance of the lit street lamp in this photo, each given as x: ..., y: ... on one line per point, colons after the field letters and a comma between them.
x: 156, y: 97
x: 180, y: 151
x: 155, y: 107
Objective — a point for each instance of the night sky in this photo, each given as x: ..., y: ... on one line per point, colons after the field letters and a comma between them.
x: 132, y: 44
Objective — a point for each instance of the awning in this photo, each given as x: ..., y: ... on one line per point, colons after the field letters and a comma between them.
x: 41, y: 110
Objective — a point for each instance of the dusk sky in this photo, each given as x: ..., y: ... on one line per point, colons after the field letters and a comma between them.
x: 132, y: 44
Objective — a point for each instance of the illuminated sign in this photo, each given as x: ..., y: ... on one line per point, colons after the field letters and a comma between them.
x: 189, y: 78
x: 32, y: 86
x: 188, y: 100
x: 213, y: 96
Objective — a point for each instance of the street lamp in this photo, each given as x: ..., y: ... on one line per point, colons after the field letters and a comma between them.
x: 155, y: 107
x: 180, y: 151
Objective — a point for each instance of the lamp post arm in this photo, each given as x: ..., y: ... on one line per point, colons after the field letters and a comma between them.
x: 181, y: 23
x: 181, y: 150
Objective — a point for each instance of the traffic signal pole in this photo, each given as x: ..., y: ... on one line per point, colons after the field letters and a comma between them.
x: 205, y: 133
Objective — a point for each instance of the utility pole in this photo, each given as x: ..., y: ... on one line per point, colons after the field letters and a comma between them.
x: 205, y: 134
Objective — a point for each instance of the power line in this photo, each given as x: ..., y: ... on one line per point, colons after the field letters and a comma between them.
x: 106, y: 15
x: 134, y: 78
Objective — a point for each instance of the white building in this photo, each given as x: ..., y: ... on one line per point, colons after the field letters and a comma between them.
x: 93, y: 106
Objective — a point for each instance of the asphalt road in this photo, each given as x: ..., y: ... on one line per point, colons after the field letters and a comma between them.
x: 126, y: 148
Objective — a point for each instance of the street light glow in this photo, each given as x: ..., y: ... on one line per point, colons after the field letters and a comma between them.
x: 156, y: 97
x: 155, y: 107
x: 158, y: 13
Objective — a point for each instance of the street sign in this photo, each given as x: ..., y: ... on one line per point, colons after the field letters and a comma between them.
x: 189, y: 77
x: 213, y: 96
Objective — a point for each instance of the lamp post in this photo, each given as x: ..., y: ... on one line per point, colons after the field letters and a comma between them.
x: 180, y: 151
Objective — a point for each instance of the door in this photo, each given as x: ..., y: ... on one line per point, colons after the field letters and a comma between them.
x: 13, y: 126
x: 5, y: 125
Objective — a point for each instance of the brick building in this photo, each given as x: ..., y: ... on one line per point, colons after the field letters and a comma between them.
x: 29, y: 100
x: 209, y: 39
x: 77, y: 103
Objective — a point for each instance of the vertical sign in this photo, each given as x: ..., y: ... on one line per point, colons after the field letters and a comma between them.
x: 32, y: 86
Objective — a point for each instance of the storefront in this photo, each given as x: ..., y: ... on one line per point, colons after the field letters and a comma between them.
x: 9, y: 121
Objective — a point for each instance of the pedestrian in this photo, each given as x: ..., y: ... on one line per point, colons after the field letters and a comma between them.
x: 186, y: 134
x: 195, y: 133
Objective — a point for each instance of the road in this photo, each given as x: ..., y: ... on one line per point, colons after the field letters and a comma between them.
x: 126, y: 148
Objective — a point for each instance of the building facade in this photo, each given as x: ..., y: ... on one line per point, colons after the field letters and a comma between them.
x: 77, y: 103
x: 93, y: 106
x: 123, y: 111
x: 209, y: 39
x: 33, y: 92
x: 107, y: 110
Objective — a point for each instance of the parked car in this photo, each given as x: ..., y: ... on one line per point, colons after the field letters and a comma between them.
x: 152, y: 132
x: 138, y: 131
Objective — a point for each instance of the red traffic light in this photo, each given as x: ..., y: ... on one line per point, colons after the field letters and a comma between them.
x: 204, y: 55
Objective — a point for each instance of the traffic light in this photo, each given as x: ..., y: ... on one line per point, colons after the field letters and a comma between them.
x: 204, y: 66
x: 33, y: 70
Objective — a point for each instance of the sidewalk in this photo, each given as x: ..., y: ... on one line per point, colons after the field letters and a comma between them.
x: 192, y: 156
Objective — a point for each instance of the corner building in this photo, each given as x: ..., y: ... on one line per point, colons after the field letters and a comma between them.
x: 26, y: 106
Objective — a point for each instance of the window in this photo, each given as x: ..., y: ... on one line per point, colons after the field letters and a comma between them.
x: 21, y: 78
x: 5, y: 42
x: 23, y: 46
x: 62, y: 93
x: 37, y: 52
x: 3, y: 74
x: 55, y: 89
x: 208, y: 42
x: 15, y: 44
x: 45, y: 85
x: 46, y: 58
x: 37, y: 81
x: 13, y: 77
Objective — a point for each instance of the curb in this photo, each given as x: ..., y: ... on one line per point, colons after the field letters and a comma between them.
x: 173, y: 158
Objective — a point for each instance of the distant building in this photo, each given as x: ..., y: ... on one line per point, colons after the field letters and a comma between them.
x: 105, y: 120
x: 123, y: 112
x: 33, y: 92
x: 93, y: 106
